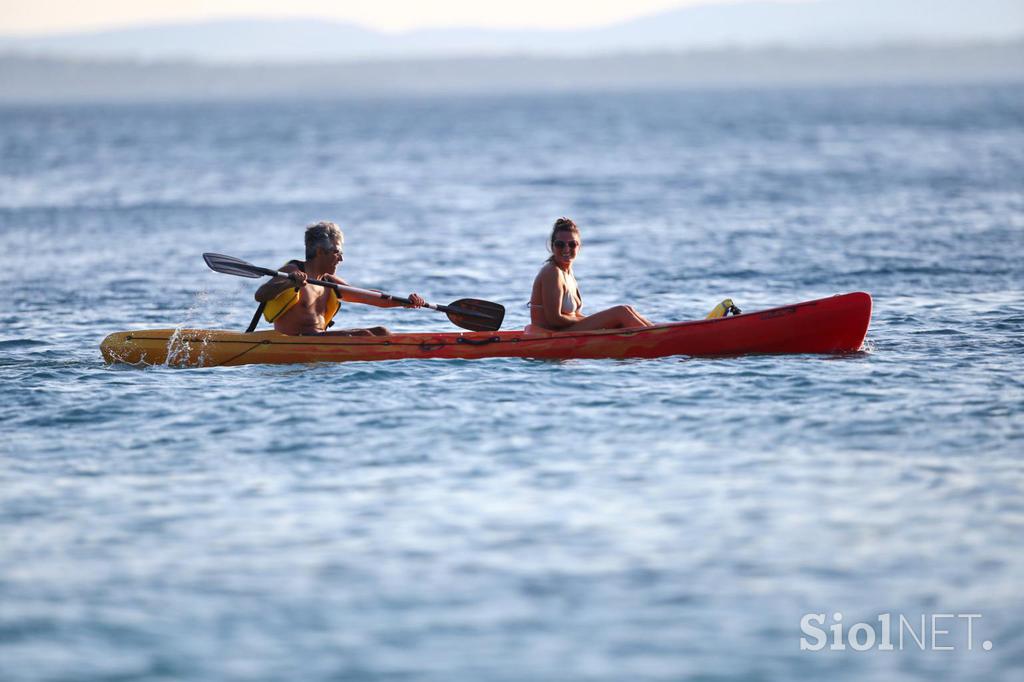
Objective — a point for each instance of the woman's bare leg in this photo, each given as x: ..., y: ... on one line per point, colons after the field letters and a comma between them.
x: 647, y: 323
x: 613, y: 318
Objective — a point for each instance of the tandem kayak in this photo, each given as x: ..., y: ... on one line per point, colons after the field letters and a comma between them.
x: 829, y: 325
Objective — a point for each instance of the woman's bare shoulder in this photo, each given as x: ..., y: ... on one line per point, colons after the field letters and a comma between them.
x: 548, y: 273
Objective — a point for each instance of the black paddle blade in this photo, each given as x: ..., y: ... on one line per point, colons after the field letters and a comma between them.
x: 235, y: 266
x: 476, y: 315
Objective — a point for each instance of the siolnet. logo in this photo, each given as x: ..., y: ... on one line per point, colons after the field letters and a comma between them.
x: 927, y: 632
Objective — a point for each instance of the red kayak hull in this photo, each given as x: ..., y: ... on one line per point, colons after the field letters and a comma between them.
x: 829, y: 325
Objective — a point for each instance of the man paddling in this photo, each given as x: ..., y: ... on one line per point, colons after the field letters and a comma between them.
x: 296, y: 308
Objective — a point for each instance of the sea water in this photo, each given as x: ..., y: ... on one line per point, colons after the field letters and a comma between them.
x: 508, y: 519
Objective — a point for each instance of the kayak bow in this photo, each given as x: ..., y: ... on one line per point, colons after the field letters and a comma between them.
x: 829, y: 325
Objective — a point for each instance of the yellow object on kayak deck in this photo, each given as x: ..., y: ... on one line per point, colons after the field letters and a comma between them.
x: 724, y: 308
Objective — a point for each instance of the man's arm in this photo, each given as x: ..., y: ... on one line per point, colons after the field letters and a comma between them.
x: 273, y: 288
x: 371, y: 300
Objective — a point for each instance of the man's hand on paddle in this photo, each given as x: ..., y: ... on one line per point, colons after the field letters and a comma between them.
x: 298, y: 277
x: 416, y: 300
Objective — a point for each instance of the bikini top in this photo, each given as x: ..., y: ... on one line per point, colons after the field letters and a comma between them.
x: 571, y: 299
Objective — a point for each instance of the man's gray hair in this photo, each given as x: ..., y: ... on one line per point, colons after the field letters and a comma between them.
x: 323, y: 235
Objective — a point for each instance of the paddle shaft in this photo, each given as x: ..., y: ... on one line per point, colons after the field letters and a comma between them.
x: 486, y: 316
x: 378, y: 294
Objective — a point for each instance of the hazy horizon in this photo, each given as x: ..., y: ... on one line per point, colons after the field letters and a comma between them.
x: 755, y: 24
x: 26, y: 80
x: 706, y: 45
x: 388, y: 16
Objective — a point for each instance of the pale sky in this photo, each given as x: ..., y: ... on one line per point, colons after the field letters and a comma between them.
x: 51, y: 16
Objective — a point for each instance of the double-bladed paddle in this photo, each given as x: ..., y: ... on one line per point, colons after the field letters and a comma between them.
x: 468, y: 313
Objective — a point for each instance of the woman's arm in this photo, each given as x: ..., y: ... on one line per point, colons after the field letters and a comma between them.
x: 552, y: 293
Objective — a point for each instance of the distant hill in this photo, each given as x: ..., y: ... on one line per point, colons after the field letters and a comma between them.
x: 49, y: 79
x: 824, y: 23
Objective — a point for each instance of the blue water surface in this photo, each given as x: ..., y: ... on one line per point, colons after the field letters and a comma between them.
x: 506, y: 519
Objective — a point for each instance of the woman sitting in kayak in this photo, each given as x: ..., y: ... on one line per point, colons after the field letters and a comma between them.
x: 555, y: 302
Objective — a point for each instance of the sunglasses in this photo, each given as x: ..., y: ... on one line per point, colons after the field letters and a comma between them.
x: 559, y: 244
